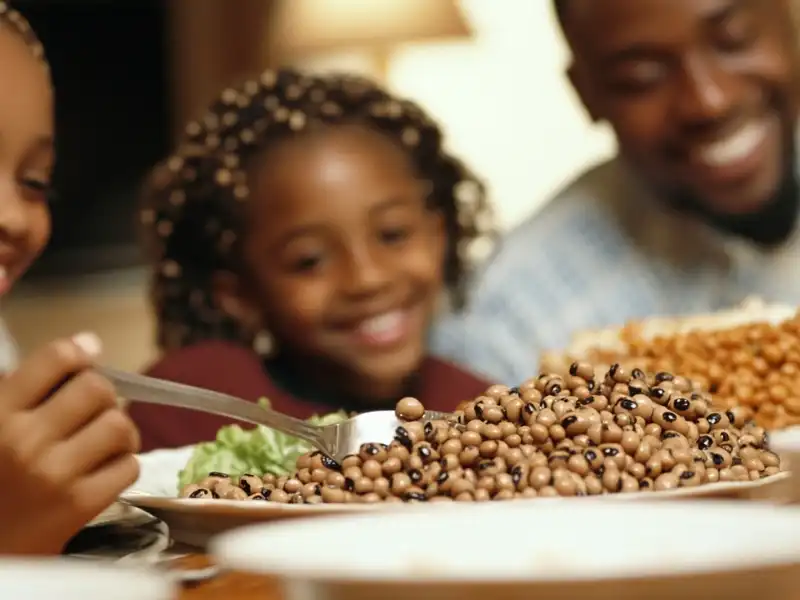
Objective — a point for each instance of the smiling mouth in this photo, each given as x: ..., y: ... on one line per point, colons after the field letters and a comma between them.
x: 736, y: 147
x: 384, y: 329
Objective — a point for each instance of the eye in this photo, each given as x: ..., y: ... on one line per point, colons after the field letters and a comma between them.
x: 637, y: 77
x: 307, y: 264
x: 395, y: 235
x: 38, y: 187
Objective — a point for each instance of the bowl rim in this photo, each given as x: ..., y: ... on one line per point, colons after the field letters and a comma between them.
x: 230, y: 549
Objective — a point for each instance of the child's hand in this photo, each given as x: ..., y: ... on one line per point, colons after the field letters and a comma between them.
x: 66, y: 449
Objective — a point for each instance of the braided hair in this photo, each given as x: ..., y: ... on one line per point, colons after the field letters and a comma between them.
x: 192, y: 206
x: 19, y: 24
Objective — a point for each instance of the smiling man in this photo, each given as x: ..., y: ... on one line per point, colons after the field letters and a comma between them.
x: 697, y: 211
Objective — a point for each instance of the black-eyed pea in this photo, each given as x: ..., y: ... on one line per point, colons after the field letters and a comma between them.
x: 654, y: 467
x: 513, y: 441
x: 293, y: 486
x: 612, y: 433
x: 666, y: 481
x: 612, y: 479
x: 594, y: 486
x: 720, y: 458
x: 353, y: 473
x: 409, y: 409
x: 630, y: 442
x: 595, y: 433
x: 195, y: 491
x: 557, y: 433
x: 450, y: 462
x: 470, y: 438
x: 615, y: 453
x: 718, y: 420
x: 482, y: 495
x: 311, y: 489
x: 770, y: 459
x: 539, y: 433
x: 547, y: 492
x: 371, y: 469
x: 629, y: 483
x: 400, y: 484
x: 546, y: 417
x: 577, y: 463
x: 269, y: 478
x: 461, y: 486
x: 303, y: 462
x: 646, y: 484
x: 504, y: 481
x: 396, y: 450
x: 519, y: 476
x: 636, y: 470
x: 332, y: 495
x: 726, y: 474
x: 643, y: 452
x: 740, y: 473
x: 279, y: 496
x: 335, y: 479
x: 769, y: 471
x: 654, y: 430
x: 683, y: 456
x: 565, y: 485
x: 594, y: 457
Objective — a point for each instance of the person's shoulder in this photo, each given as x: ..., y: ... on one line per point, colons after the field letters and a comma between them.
x: 444, y: 385
x: 581, y: 215
x: 217, y: 365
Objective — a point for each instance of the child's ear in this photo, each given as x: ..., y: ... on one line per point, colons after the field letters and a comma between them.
x: 231, y: 298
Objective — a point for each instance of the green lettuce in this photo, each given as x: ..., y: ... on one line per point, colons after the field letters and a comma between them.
x: 257, y: 451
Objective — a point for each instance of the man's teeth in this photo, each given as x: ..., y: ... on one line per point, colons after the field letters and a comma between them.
x: 736, y: 146
x: 381, y: 324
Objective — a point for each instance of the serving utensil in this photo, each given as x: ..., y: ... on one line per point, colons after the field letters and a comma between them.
x: 336, y: 440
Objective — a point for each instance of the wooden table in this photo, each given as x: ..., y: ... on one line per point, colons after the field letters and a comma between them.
x: 228, y: 585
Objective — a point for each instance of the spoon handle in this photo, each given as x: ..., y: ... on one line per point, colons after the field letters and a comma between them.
x: 140, y: 388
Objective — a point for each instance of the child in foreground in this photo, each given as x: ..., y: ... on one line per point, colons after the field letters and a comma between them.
x: 303, y: 237
x: 66, y: 449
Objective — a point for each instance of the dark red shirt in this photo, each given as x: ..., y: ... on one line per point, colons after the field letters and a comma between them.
x: 238, y: 371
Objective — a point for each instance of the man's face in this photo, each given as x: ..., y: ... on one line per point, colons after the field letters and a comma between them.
x: 701, y: 93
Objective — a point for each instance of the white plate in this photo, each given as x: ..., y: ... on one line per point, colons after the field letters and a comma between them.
x: 787, y: 444
x: 194, y: 521
x: 573, y: 548
x: 65, y: 579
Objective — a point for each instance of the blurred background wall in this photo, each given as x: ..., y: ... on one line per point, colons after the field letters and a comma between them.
x: 130, y: 73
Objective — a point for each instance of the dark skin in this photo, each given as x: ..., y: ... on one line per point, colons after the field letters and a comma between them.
x: 339, y: 233
x: 702, y: 96
x: 26, y: 158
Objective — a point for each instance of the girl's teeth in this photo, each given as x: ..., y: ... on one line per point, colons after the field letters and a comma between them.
x: 381, y: 324
x: 736, y: 146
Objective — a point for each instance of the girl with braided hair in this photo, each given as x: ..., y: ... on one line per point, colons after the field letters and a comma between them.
x: 64, y: 442
x: 303, y: 236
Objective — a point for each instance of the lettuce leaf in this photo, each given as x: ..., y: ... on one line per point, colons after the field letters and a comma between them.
x: 258, y: 451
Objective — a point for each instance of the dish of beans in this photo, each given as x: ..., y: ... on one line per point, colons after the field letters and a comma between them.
x: 551, y: 436
x: 755, y: 366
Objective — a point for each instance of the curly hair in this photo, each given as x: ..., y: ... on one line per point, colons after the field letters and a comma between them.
x: 20, y: 25
x: 192, y: 205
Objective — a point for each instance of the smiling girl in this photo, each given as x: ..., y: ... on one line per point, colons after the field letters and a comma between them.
x: 304, y: 235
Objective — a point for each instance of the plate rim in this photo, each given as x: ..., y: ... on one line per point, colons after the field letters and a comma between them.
x: 146, y: 501
x: 224, y: 549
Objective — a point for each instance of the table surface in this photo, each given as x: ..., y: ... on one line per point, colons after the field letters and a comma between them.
x: 226, y: 585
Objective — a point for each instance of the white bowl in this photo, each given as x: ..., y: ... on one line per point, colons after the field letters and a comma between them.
x: 69, y: 579
x: 577, y: 548
x: 786, y: 443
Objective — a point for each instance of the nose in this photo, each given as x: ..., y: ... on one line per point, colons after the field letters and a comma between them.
x: 706, y: 95
x: 366, y: 273
x: 13, y: 215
